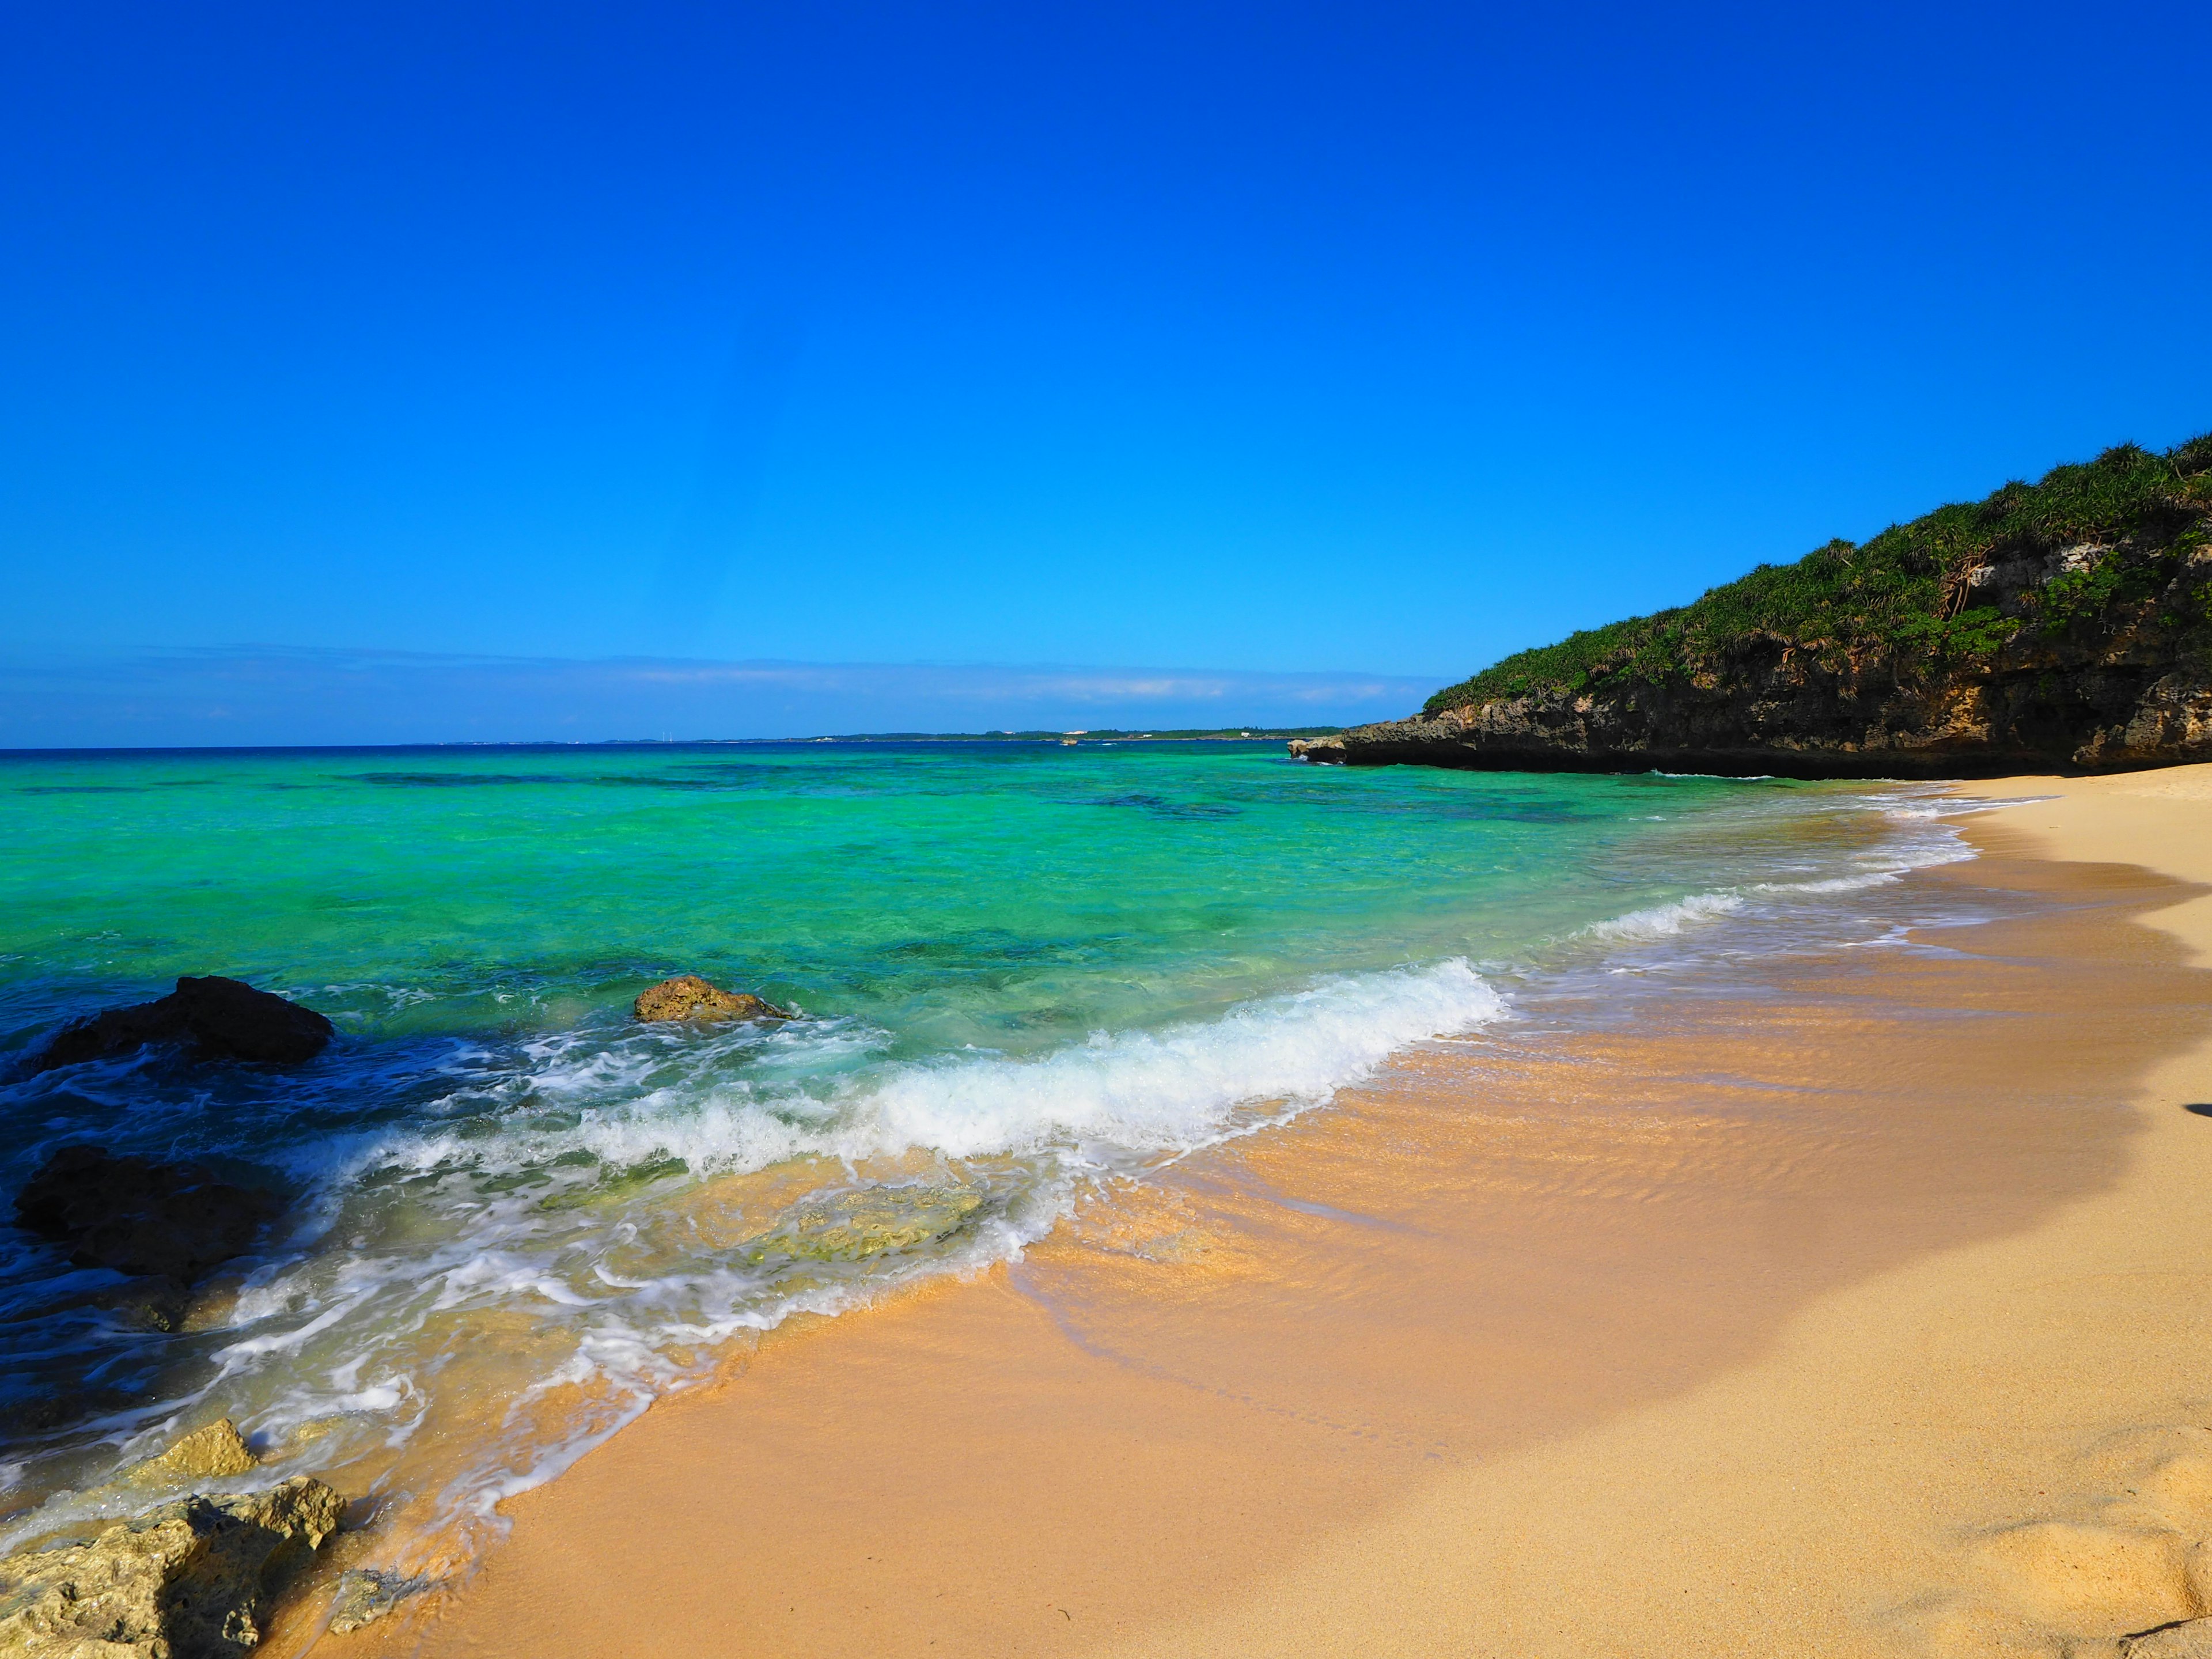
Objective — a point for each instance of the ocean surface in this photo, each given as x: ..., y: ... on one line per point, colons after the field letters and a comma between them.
x: 516, y: 1217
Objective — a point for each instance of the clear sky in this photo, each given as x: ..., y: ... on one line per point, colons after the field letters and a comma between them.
x: 1372, y: 339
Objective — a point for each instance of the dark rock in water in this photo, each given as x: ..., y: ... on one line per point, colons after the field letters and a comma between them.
x: 223, y: 1018
x: 186, y: 1581
x: 150, y: 1303
x: 690, y: 997
x: 230, y: 1017
x: 174, y: 1220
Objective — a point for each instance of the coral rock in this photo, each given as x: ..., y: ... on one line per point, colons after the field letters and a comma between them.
x: 205, y: 1454
x: 690, y: 997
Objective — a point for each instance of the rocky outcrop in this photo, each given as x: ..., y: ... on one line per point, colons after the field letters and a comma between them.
x: 216, y: 1017
x: 690, y: 997
x: 189, y: 1580
x: 175, y: 1222
x: 214, y: 1452
x: 365, y: 1594
x: 2053, y: 683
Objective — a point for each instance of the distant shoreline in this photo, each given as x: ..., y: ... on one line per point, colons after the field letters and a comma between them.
x: 1225, y: 734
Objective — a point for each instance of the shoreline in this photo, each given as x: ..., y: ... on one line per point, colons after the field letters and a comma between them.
x: 1154, y: 1437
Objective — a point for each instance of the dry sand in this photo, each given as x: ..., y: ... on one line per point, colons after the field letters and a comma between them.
x: 1865, y: 1315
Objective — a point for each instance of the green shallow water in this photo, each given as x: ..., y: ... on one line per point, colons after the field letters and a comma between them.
x: 516, y: 1217
x: 1008, y: 895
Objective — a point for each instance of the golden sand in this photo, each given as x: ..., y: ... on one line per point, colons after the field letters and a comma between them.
x: 1867, y: 1316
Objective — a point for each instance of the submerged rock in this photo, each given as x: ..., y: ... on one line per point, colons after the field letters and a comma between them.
x: 136, y: 1216
x: 186, y: 1581
x: 147, y: 1303
x: 206, y: 1454
x: 875, y: 1221
x: 367, y: 1594
x: 690, y: 997
x: 222, y: 1018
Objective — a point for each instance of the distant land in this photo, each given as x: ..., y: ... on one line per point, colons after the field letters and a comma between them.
x: 1095, y: 734
x: 2064, y: 625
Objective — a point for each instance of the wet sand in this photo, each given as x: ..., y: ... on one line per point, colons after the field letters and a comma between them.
x: 1854, y: 1313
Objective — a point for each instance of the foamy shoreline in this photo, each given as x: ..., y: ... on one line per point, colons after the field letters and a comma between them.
x: 1835, y: 1488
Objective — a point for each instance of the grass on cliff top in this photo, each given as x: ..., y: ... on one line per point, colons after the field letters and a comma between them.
x: 1890, y: 593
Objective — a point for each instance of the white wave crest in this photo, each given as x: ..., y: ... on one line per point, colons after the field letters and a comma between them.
x: 1838, y: 884
x: 1665, y: 920
x: 1150, y: 1090
x: 1140, y: 1091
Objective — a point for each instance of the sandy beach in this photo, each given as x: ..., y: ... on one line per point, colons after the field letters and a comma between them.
x: 1865, y: 1315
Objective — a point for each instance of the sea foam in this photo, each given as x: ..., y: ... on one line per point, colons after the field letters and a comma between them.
x: 1176, y: 1088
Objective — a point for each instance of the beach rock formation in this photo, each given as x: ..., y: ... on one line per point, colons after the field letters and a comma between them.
x: 2065, y: 625
x: 189, y: 1580
x: 690, y: 997
x: 175, y: 1221
x: 213, y: 1452
x: 365, y: 1594
x: 219, y: 1018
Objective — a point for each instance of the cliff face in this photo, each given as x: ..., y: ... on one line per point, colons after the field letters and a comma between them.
x: 2008, y: 657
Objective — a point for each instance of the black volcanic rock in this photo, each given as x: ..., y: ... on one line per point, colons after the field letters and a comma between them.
x: 220, y: 1018
x: 175, y: 1221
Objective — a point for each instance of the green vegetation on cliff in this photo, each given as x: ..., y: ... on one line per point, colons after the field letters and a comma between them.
x: 1905, y: 590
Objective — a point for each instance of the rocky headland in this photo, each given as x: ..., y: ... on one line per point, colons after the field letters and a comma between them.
x: 2060, y: 626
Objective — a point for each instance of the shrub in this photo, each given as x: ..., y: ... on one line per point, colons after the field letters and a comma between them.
x: 1898, y: 593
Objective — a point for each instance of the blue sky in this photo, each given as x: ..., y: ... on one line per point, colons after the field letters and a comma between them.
x: 1368, y: 341
x: 232, y: 694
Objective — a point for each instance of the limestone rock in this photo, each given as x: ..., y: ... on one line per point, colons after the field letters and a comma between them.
x: 219, y: 1018
x: 209, y: 1453
x: 690, y: 997
x: 136, y: 1215
x: 186, y: 1581
x: 367, y: 1594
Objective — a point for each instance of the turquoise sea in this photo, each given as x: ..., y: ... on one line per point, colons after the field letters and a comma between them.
x: 516, y: 1216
